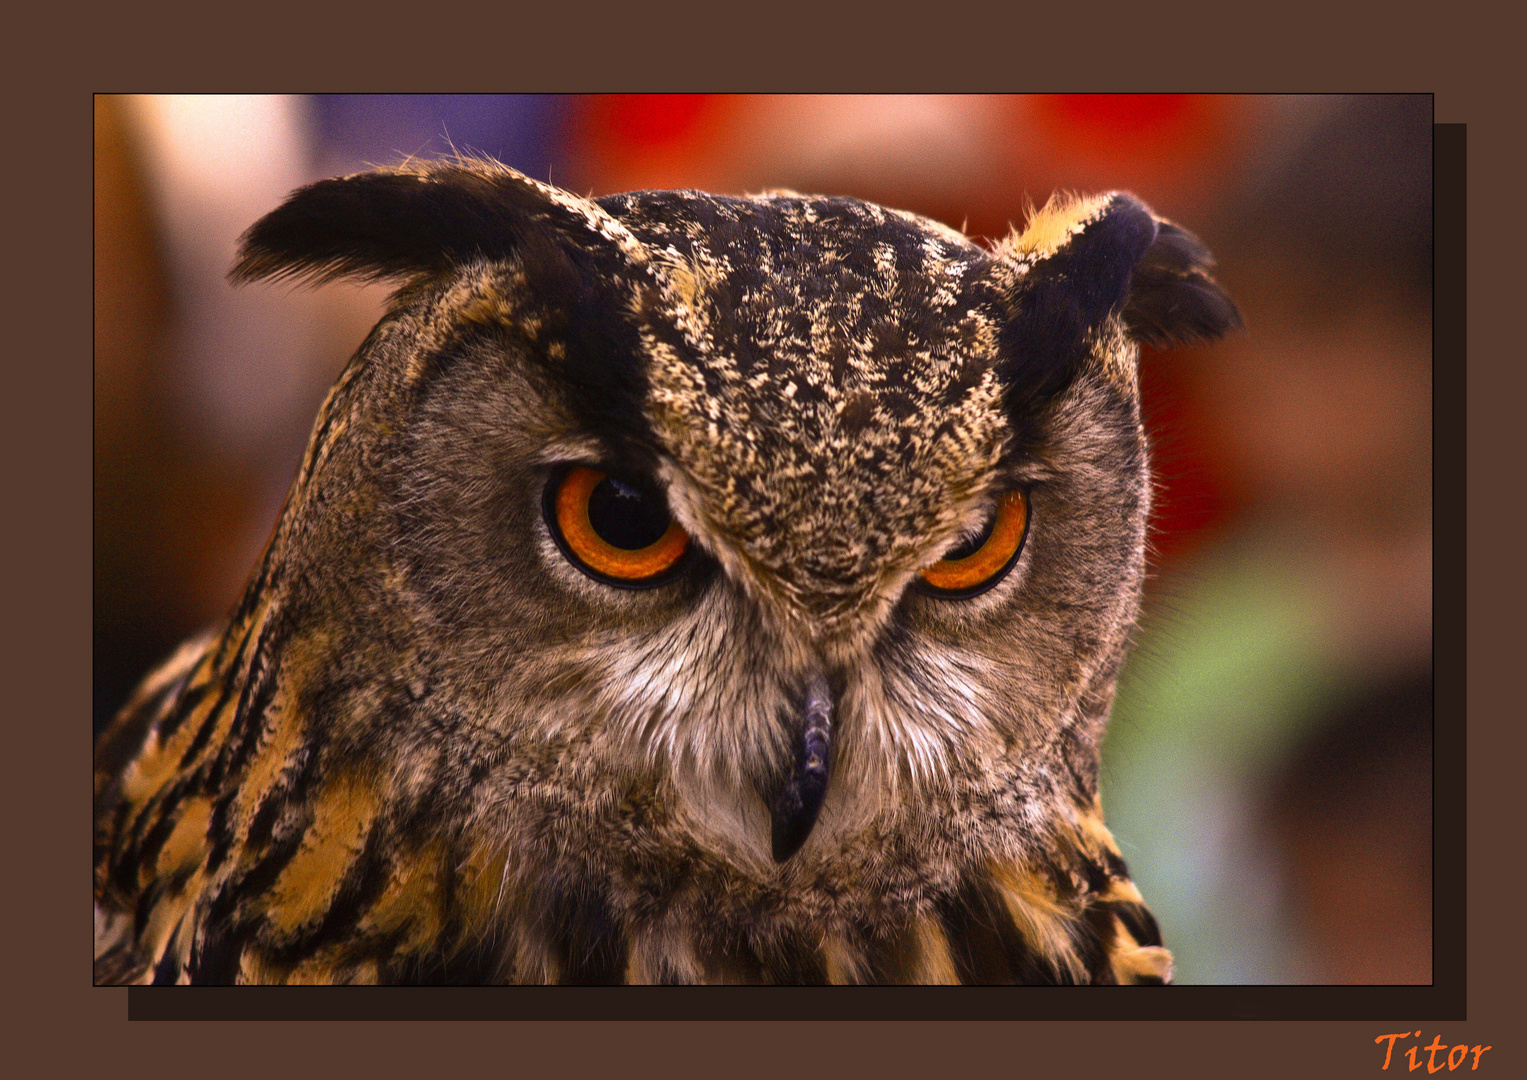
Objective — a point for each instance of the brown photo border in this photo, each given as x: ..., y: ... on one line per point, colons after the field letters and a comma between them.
x: 62, y: 1016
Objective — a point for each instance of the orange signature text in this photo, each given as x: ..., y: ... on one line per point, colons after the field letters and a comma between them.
x: 1455, y: 1057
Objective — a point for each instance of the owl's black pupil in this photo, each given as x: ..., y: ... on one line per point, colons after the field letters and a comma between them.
x: 972, y: 545
x: 626, y: 516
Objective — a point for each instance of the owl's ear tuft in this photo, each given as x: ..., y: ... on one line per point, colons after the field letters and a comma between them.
x: 1082, y: 261
x: 1077, y: 257
x: 1172, y: 298
x: 408, y: 222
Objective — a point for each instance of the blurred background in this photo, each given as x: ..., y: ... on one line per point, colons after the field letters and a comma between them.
x: 1268, y: 769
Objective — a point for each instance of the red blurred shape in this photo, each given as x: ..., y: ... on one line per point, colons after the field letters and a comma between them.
x: 1125, y: 114
x: 647, y: 121
x: 1191, y: 505
x: 1166, y: 134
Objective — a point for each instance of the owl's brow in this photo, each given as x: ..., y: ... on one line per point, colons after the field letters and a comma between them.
x: 1020, y: 466
x: 606, y: 451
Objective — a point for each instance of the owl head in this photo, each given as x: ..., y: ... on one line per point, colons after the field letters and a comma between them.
x: 787, y: 500
x: 760, y: 566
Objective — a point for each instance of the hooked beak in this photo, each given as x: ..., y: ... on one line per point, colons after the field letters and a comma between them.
x: 796, y: 806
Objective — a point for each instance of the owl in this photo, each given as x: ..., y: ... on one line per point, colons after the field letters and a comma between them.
x: 676, y: 588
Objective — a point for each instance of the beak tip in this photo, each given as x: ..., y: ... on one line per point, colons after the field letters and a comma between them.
x: 795, y: 808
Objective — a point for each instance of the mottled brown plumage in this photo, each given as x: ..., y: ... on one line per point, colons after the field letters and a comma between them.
x: 436, y: 743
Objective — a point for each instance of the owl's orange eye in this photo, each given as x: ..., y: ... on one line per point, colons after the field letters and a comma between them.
x: 981, y: 562
x: 615, y: 529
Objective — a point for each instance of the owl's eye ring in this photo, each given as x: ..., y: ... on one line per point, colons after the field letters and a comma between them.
x: 984, y: 561
x: 616, y: 529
